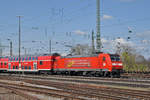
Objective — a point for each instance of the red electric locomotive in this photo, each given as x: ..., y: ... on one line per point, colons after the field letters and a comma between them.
x: 99, y: 65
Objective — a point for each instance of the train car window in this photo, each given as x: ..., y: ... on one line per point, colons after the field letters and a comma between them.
x: 16, y: 67
x: 26, y: 58
x: 25, y: 67
x: 22, y: 67
x: 104, y: 58
x: 13, y: 67
x: 5, y: 63
x: 29, y: 67
x: 32, y: 58
x: 36, y: 58
x: 1, y: 63
x: 41, y: 62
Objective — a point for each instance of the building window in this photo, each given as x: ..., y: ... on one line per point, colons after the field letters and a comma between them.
x: 29, y: 58
x: 41, y: 62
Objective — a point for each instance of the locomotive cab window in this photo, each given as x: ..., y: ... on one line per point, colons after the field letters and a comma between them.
x: 41, y: 62
x: 115, y: 57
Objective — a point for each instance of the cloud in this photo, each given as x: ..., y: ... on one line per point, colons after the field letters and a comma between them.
x: 111, y: 45
x: 121, y: 40
x: 127, y: 0
x: 79, y: 32
x: 107, y: 17
x: 145, y: 34
x: 104, y: 40
x: 112, y: 42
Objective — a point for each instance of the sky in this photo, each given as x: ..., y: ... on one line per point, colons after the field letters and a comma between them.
x: 70, y: 22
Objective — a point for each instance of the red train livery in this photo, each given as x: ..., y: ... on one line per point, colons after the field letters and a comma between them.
x: 99, y: 65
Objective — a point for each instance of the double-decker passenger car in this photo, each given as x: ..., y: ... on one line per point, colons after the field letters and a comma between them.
x: 3, y: 64
x: 30, y: 64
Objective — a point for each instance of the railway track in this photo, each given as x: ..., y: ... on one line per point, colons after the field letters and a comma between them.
x: 125, y: 93
x: 137, y: 75
x: 94, y: 80
x: 77, y: 91
x: 64, y: 91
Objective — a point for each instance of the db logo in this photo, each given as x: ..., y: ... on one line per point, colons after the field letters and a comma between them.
x: 70, y: 64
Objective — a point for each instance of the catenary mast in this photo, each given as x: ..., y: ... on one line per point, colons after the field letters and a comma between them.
x: 98, y: 39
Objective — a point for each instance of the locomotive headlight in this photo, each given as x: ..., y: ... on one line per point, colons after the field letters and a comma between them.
x: 120, y: 64
x: 114, y: 64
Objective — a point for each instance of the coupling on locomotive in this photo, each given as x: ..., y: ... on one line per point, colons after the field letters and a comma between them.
x: 102, y: 64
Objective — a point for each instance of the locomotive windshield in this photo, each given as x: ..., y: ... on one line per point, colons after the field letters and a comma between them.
x: 115, y: 57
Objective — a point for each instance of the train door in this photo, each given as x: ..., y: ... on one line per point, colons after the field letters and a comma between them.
x: 104, y: 61
x: 35, y: 66
x: 9, y: 65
